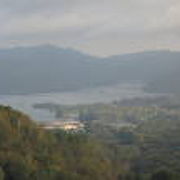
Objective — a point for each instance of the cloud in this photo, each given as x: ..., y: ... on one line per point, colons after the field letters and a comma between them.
x: 99, y: 27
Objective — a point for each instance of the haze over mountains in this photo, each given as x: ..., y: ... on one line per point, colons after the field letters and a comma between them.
x: 43, y: 69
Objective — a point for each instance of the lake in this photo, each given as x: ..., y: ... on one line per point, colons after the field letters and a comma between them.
x: 103, y: 94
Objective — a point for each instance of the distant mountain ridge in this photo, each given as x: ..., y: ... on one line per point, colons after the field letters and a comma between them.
x: 43, y: 69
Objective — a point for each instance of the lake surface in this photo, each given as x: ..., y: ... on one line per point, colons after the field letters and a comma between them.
x: 87, y: 96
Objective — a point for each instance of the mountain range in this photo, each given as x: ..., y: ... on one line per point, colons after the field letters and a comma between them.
x: 46, y: 68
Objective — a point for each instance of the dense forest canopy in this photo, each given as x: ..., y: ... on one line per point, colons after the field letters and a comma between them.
x: 148, y: 150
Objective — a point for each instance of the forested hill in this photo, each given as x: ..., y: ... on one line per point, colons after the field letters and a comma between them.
x: 149, y: 151
x: 50, y: 69
x: 29, y: 153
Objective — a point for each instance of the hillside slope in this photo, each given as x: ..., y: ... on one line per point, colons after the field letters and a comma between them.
x: 30, y: 153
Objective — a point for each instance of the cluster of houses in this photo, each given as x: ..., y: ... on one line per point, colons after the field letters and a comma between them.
x: 69, y: 122
x: 64, y: 125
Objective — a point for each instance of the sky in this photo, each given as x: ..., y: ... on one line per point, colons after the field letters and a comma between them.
x: 97, y: 27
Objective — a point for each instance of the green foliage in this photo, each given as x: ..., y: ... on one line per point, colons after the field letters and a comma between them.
x: 1, y: 174
x: 30, y: 153
x: 161, y: 175
x: 147, y: 149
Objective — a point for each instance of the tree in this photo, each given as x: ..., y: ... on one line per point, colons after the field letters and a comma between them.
x: 1, y: 174
x: 161, y: 175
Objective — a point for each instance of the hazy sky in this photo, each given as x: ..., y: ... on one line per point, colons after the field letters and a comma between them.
x: 99, y: 27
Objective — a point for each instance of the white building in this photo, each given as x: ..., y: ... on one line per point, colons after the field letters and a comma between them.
x: 65, y: 125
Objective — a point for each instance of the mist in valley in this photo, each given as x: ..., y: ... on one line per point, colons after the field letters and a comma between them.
x: 87, y: 96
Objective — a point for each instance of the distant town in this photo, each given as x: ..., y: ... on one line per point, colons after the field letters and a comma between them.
x: 64, y: 125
